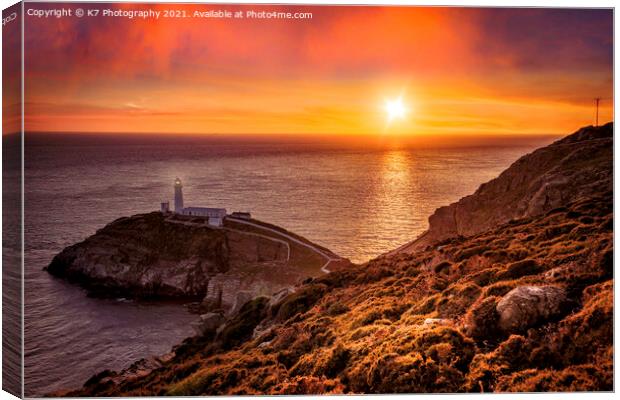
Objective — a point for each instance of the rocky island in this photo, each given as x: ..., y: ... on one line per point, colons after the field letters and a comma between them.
x: 511, y: 289
x: 159, y: 256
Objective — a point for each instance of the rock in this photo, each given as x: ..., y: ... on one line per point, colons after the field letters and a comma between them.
x: 264, y: 344
x: 144, y: 256
x: 221, y: 292
x: 279, y: 295
x: 157, y: 256
x: 208, y: 323
x: 167, y: 357
x: 527, y: 306
x: 229, y: 293
x: 240, y: 327
x: 554, y: 273
x: 436, y: 321
x: 136, y: 370
x: 265, y: 326
x: 243, y: 296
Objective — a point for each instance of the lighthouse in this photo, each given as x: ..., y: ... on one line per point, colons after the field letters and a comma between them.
x: 178, y: 196
x: 214, y: 216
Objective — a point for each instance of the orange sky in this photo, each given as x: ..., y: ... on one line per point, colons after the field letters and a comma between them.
x: 460, y: 71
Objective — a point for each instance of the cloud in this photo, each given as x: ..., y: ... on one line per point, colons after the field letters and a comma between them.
x: 327, y: 73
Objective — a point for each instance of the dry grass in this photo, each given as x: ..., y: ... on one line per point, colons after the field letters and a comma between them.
x: 362, y: 329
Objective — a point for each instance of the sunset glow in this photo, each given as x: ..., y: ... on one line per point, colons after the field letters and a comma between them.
x: 474, y: 72
x: 395, y: 109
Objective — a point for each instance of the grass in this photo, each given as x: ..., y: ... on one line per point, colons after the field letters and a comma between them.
x: 362, y: 329
x: 301, y: 257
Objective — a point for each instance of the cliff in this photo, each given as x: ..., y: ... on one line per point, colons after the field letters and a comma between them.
x: 525, y: 305
x: 576, y: 166
x: 169, y: 256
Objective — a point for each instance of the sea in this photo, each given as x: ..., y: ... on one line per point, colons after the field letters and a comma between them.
x: 356, y: 198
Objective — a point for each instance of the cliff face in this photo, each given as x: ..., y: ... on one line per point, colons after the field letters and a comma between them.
x: 523, y: 306
x: 154, y: 255
x: 576, y: 166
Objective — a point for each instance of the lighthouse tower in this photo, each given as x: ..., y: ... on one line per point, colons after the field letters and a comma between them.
x: 178, y: 196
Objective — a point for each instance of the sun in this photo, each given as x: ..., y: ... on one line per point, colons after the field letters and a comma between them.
x: 395, y: 109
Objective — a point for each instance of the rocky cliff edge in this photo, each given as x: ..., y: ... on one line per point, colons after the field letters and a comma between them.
x: 576, y: 166
x: 170, y: 256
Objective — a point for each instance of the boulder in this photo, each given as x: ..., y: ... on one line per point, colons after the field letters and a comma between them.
x: 243, y: 296
x: 208, y: 323
x: 279, y: 295
x: 432, y: 322
x: 527, y: 306
x: 265, y: 327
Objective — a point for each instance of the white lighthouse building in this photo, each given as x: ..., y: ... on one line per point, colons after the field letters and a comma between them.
x: 178, y: 196
x: 215, y: 216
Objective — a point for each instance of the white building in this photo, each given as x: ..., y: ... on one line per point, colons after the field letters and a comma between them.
x: 215, y: 216
x: 178, y: 196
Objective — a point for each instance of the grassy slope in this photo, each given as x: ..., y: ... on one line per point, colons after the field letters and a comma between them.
x: 302, y: 257
x: 362, y: 329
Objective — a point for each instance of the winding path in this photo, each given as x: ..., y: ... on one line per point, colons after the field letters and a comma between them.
x: 292, y: 239
x: 284, y: 242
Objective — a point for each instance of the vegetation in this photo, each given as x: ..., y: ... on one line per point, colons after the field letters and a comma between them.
x: 423, y: 322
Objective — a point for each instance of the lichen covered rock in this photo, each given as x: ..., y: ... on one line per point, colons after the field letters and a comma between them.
x: 527, y: 306
x: 208, y: 323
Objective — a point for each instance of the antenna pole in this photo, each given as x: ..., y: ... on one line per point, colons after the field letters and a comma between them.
x: 598, y: 99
